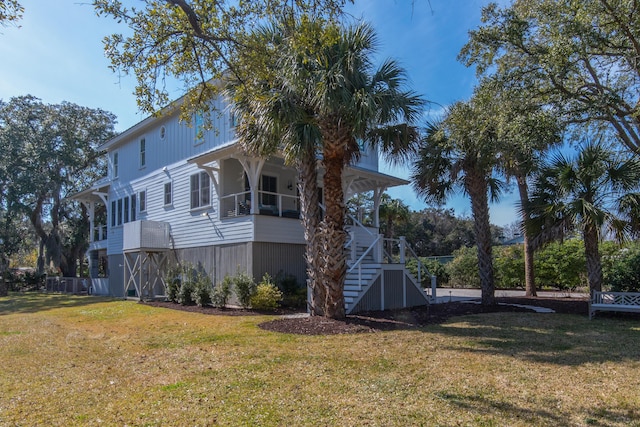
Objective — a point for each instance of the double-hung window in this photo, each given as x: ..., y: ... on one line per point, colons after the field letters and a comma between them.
x: 143, y: 200
x: 143, y: 153
x: 167, y: 193
x: 133, y: 207
x: 199, y: 127
x: 115, y: 165
x: 119, y: 217
x: 200, y: 190
x: 126, y: 209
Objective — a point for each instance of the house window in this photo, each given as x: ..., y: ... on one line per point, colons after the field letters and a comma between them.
x: 198, y: 122
x: 126, y: 209
x: 143, y: 201
x: 133, y: 207
x: 167, y: 193
x: 119, y: 217
x: 115, y: 165
x: 269, y: 185
x: 233, y: 119
x: 113, y: 213
x: 200, y: 190
x: 163, y: 132
x: 143, y: 153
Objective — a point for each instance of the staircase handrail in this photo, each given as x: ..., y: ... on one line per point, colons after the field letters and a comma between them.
x: 359, y: 260
x: 359, y: 224
x: 420, y: 267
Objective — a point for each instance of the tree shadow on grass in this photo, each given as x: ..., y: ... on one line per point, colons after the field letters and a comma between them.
x: 558, y: 339
x: 33, y: 302
x: 487, y: 406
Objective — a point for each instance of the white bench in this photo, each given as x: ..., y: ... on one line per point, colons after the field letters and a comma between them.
x: 614, y: 301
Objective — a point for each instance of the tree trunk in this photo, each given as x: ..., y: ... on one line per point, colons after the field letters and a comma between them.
x: 592, y: 253
x: 310, y: 215
x: 334, y: 236
x: 477, y: 188
x: 529, y: 270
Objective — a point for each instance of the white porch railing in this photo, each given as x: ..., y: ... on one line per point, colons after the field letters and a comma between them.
x: 402, y: 253
x: 274, y: 204
x: 99, y: 233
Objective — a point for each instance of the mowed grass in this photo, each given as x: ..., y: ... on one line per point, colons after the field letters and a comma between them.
x: 88, y: 361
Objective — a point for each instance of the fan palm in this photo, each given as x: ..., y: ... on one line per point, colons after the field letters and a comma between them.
x: 459, y: 153
x: 526, y: 132
x: 275, y: 116
x: 392, y: 211
x: 322, y: 95
x: 596, y: 192
x: 354, y: 101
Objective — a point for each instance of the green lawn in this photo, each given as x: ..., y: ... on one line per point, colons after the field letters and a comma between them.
x: 89, y: 361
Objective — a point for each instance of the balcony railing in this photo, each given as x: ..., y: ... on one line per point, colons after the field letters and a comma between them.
x: 272, y: 204
x: 99, y: 233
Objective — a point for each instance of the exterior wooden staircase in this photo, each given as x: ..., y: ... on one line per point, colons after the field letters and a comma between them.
x: 377, y: 280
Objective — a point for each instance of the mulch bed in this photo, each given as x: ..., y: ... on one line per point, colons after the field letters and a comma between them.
x: 395, y: 319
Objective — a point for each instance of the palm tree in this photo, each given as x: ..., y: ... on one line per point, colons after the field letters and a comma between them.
x: 392, y: 211
x: 460, y: 153
x: 596, y: 192
x: 526, y: 132
x: 320, y: 97
x: 275, y: 116
x: 353, y: 102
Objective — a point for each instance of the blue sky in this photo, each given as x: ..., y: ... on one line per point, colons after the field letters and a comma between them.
x: 57, y: 56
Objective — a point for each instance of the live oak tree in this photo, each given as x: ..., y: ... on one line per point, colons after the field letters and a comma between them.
x: 581, y: 56
x: 52, y: 155
x: 193, y: 43
x: 10, y: 12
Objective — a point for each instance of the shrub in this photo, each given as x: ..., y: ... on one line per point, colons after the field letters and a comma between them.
x: 463, y: 269
x: 202, y: 288
x: 185, y: 294
x: 221, y: 292
x: 623, y: 275
x: 187, y: 285
x: 244, y: 287
x: 561, y: 265
x: 293, y: 295
x: 173, y: 280
x: 508, y: 264
x: 267, y: 295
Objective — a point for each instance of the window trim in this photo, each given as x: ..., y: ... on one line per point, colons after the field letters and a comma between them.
x: 170, y: 193
x: 119, y: 212
x: 142, y: 153
x: 200, y: 190
x: 115, y: 167
x: 142, y: 201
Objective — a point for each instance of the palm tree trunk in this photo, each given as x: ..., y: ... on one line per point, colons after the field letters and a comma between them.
x: 529, y: 271
x: 334, y: 236
x: 592, y: 253
x: 310, y: 213
x: 477, y: 188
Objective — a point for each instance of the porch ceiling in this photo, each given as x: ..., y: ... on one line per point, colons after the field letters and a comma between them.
x: 93, y: 194
x: 357, y: 179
